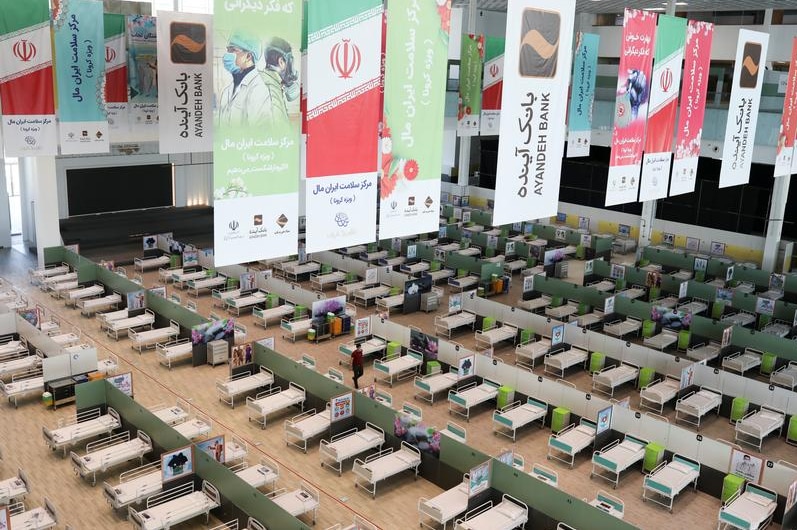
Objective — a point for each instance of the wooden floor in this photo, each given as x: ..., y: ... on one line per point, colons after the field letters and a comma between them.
x: 395, y: 506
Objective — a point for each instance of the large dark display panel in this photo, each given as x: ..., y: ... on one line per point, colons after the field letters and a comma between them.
x: 115, y: 189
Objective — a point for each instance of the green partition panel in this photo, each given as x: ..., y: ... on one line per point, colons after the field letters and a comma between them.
x: 168, y: 309
x: 53, y: 255
x: 90, y: 394
x: 137, y: 415
x: 115, y: 282
x: 488, y: 269
x: 668, y: 258
x: 469, y: 263
x: 288, y: 369
x: 701, y: 290
x: 602, y: 244
x: 568, y: 290
x: 631, y: 308
x: 86, y: 269
x: 459, y: 456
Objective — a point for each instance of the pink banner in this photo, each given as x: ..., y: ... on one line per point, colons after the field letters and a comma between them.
x: 631, y: 109
x: 693, y: 106
x: 788, y: 122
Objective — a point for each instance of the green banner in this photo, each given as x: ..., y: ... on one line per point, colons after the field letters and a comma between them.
x: 471, y: 64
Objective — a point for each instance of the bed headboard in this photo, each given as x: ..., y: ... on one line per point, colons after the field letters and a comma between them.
x: 687, y: 461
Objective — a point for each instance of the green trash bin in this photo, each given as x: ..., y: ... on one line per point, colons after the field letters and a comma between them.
x: 768, y: 362
x: 560, y: 418
x: 272, y: 300
x: 791, y: 432
x: 311, y: 334
x: 47, y: 399
x: 654, y: 454
x: 299, y: 310
x: 433, y: 367
x: 174, y: 260
x: 393, y: 348
x: 730, y: 485
x: 646, y: 375
x: 488, y: 323
x: 596, y: 362
x: 232, y: 283
x: 506, y: 395
x: 526, y: 335
x: 739, y: 407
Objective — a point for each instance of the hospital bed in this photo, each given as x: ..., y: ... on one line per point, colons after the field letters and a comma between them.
x: 545, y: 474
x: 704, y: 352
x: 558, y: 363
x: 392, y: 262
x: 66, y: 339
x: 670, y: 302
x: 122, y: 325
x: 375, y: 255
x: 527, y: 353
x: 243, y: 383
x: 12, y: 347
x: 75, y: 295
x: 322, y: 281
x: 590, y: 319
x: 490, y: 337
x: 22, y: 385
x: 174, y: 351
x: 264, y: 473
x: 235, y: 305
x: 779, y: 328
x: 397, y: 367
x: 445, y: 325
x: 740, y: 362
x: 682, y: 275
x: 695, y: 306
x: 512, y: 417
x: 603, y: 286
x: 274, y: 400
x: 49, y: 323
x: 428, y: 385
x: 366, y: 294
x: 613, y: 459
x: 305, y: 426
x: 514, y: 265
x: 296, y: 327
x: 166, y: 274
x: 509, y: 513
x: 388, y: 302
x: 563, y: 311
x: 92, y: 305
x: 139, y: 340
x: 742, y: 318
x: 262, y: 316
x: 297, y: 502
x: 105, y: 319
x: 349, y: 288
x: 348, y: 444
x: 455, y: 432
x: 609, y: 504
x: 181, y: 279
x: 153, y: 262
x: 443, y: 507
x: 200, y: 284
x: 37, y: 275
x: 570, y: 441
x: 47, y: 283
x: 751, y: 509
x: 101, y: 455
x: 414, y: 268
x: 661, y: 341
x: 438, y: 275
x: 384, y: 464
x: 14, y: 488
x: 307, y: 360
x: 219, y: 297
x: 658, y: 393
x: 20, y: 303
x: 785, y: 376
x: 194, y: 428
x: 134, y: 485
x: 667, y: 480
x: 235, y: 450
x: 13, y: 364
x: 292, y: 271
x: 697, y: 404
x: 470, y: 251
x: 83, y: 426
x: 610, y: 377
x: 535, y: 304
x: 369, y: 347
x: 464, y: 283
x: 335, y: 375
x: 39, y: 518
x: 461, y: 400
x: 757, y: 425
x: 621, y: 328
x: 632, y: 293
x: 173, y: 506
x: 58, y: 290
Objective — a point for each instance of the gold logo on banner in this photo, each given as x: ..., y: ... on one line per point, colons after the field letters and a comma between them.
x: 539, y: 43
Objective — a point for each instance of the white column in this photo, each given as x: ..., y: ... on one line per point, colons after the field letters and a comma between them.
x: 463, y: 165
x: 41, y: 172
x: 780, y: 192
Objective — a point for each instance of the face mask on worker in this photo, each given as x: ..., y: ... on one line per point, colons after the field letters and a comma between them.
x: 290, y: 78
x: 229, y: 60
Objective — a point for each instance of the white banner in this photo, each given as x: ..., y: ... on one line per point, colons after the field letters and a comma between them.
x: 534, y: 107
x: 185, y: 92
x: 748, y: 78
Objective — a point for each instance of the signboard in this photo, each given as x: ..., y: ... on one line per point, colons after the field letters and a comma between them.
x: 746, y: 465
x: 479, y: 479
x: 764, y: 306
x: 528, y: 283
x: 342, y: 407
x: 177, y: 463
x: 466, y: 366
x: 213, y: 447
x: 557, y: 335
x: 604, y: 422
x: 362, y: 327
x: 608, y: 305
x: 454, y: 303
x: 582, y: 97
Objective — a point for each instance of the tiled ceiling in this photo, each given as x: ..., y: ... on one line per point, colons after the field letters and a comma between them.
x: 617, y: 6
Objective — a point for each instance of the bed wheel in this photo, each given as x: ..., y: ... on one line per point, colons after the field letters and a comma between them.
x: 591, y: 475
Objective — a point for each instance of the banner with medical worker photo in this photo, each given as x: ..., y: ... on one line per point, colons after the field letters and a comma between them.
x: 748, y: 78
x: 663, y: 107
x: 256, y: 134
x: 142, y: 73
x: 539, y: 36
x: 185, y: 70
x: 26, y: 79
x: 784, y: 157
x: 80, y: 73
x: 115, y: 71
x: 343, y: 102
x: 492, y: 84
x: 631, y: 106
x: 689, y: 133
x: 416, y: 63
x: 469, y: 106
x: 582, y: 95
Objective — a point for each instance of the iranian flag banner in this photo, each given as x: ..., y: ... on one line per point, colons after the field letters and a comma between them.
x: 26, y: 79
x: 115, y: 71
x: 343, y: 112
x: 492, y: 84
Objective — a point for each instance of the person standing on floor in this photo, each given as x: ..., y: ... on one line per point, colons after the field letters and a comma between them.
x: 357, y: 364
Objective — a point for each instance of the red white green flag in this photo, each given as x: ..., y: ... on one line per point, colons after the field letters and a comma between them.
x: 115, y: 71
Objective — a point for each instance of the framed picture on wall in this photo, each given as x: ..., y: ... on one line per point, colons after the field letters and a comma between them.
x: 692, y: 244
x: 528, y: 285
x: 668, y: 239
x: 214, y: 447
x: 604, y: 420
x: 624, y: 230
x: 561, y: 217
x: 509, y: 248
x: 583, y: 223
x: 557, y: 335
x: 5, y: 518
x: 466, y: 366
x: 589, y: 267
x: 560, y: 234
x: 479, y: 478
x: 465, y: 200
x: 764, y: 306
x: 177, y: 463
x: 342, y: 406
x: 717, y: 248
x: 700, y: 264
x: 791, y: 497
x: 746, y: 465
x: 729, y: 273
x: 124, y: 382
x: 466, y: 217
x: 617, y: 271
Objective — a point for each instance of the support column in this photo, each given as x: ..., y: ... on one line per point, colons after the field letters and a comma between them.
x: 463, y: 164
x: 40, y: 171
x: 5, y: 209
x: 777, y: 208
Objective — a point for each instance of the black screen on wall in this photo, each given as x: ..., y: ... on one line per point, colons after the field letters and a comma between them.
x: 114, y: 189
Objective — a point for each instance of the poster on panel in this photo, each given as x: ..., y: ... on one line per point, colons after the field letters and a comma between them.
x: 582, y: 97
x: 608, y: 305
x: 256, y: 133
x: 213, y: 447
x: 342, y: 406
x: 784, y: 152
x: 185, y: 70
x: 604, y: 420
x: 748, y: 79
x: 80, y: 72
x: 663, y: 107
x: 343, y: 110
x: 532, y: 133
x: 321, y: 308
x: 26, y: 79
x: 123, y: 382
x: 136, y: 300
x: 466, y: 366
x: 469, y: 106
x: 479, y: 478
x: 142, y: 72
x: 177, y: 463
x: 689, y: 132
x: 115, y: 72
x: 362, y: 327
x: 631, y: 106
x: 764, y: 306
x: 746, y: 465
x: 241, y: 355
x: 492, y: 85
x: 416, y: 62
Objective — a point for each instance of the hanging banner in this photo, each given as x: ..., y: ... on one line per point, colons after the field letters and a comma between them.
x: 532, y: 132
x: 342, y: 122
x: 582, y: 96
x: 631, y: 107
x: 115, y: 71
x: 416, y: 61
x: 471, y: 63
x: 185, y: 69
x: 788, y: 122
x: 689, y: 133
x: 256, y: 129
x: 80, y: 73
x: 142, y: 72
x: 492, y: 84
x: 748, y: 78
x: 663, y: 107
x: 26, y: 79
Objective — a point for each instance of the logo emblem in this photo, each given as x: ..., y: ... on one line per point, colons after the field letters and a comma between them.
x: 341, y: 219
x: 188, y: 43
x: 494, y: 70
x: 258, y: 220
x: 428, y: 202
x: 24, y: 50
x: 110, y: 54
x: 539, y: 43
x: 345, y: 58
x: 282, y: 221
x: 394, y: 205
x: 30, y: 140
x: 665, y: 81
x: 411, y: 201
x: 233, y: 225
x: 750, y: 65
